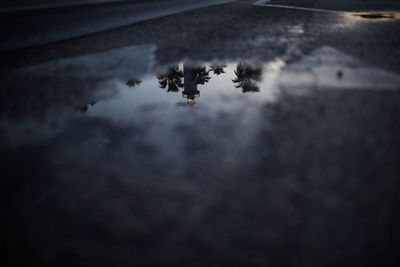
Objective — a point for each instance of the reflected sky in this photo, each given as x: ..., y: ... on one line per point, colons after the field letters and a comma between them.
x: 107, y: 154
x: 126, y: 85
x: 182, y: 82
x: 159, y: 100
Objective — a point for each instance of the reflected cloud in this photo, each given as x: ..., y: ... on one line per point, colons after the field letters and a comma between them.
x: 229, y: 178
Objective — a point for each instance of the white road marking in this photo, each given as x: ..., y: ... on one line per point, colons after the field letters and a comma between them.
x: 264, y: 3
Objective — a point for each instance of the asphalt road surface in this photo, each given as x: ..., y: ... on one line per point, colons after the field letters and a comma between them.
x: 201, y: 133
x: 40, y: 26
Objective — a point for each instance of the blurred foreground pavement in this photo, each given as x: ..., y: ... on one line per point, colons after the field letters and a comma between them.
x: 227, y: 135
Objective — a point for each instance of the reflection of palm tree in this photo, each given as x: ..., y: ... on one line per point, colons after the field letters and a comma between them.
x: 133, y: 82
x: 85, y: 107
x: 247, y: 76
x: 218, y: 68
x: 171, y: 79
x: 200, y: 75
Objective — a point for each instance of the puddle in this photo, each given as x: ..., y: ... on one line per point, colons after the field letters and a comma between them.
x: 126, y: 86
x: 115, y: 153
x: 206, y: 87
x: 123, y: 97
x: 150, y: 108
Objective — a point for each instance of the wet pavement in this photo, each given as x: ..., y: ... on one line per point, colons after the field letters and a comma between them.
x: 273, y: 141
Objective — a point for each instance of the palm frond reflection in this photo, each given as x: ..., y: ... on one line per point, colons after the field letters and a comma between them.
x: 188, y: 77
x: 218, y: 68
x: 172, y: 79
x: 247, y: 76
x: 200, y: 74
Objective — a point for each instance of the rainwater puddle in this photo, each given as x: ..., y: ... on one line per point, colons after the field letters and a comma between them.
x: 115, y: 149
x: 183, y: 87
x: 125, y: 87
x: 138, y: 114
x: 120, y: 113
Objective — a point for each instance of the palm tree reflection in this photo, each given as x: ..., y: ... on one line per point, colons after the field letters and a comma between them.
x: 188, y: 78
x: 172, y: 79
x: 133, y: 82
x: 247, y: 77
x: 85, y: 107
x: 200, y: 74
x: 218, y: 68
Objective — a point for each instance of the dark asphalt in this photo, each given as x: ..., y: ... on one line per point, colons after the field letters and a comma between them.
x: 37, y: 27
x: 288, y: 158
x: 260, y: 33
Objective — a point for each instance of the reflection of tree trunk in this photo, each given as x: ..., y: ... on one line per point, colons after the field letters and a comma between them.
x: 190, y: 85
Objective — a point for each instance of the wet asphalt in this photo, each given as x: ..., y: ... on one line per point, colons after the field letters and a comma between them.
x: 100, y: 171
